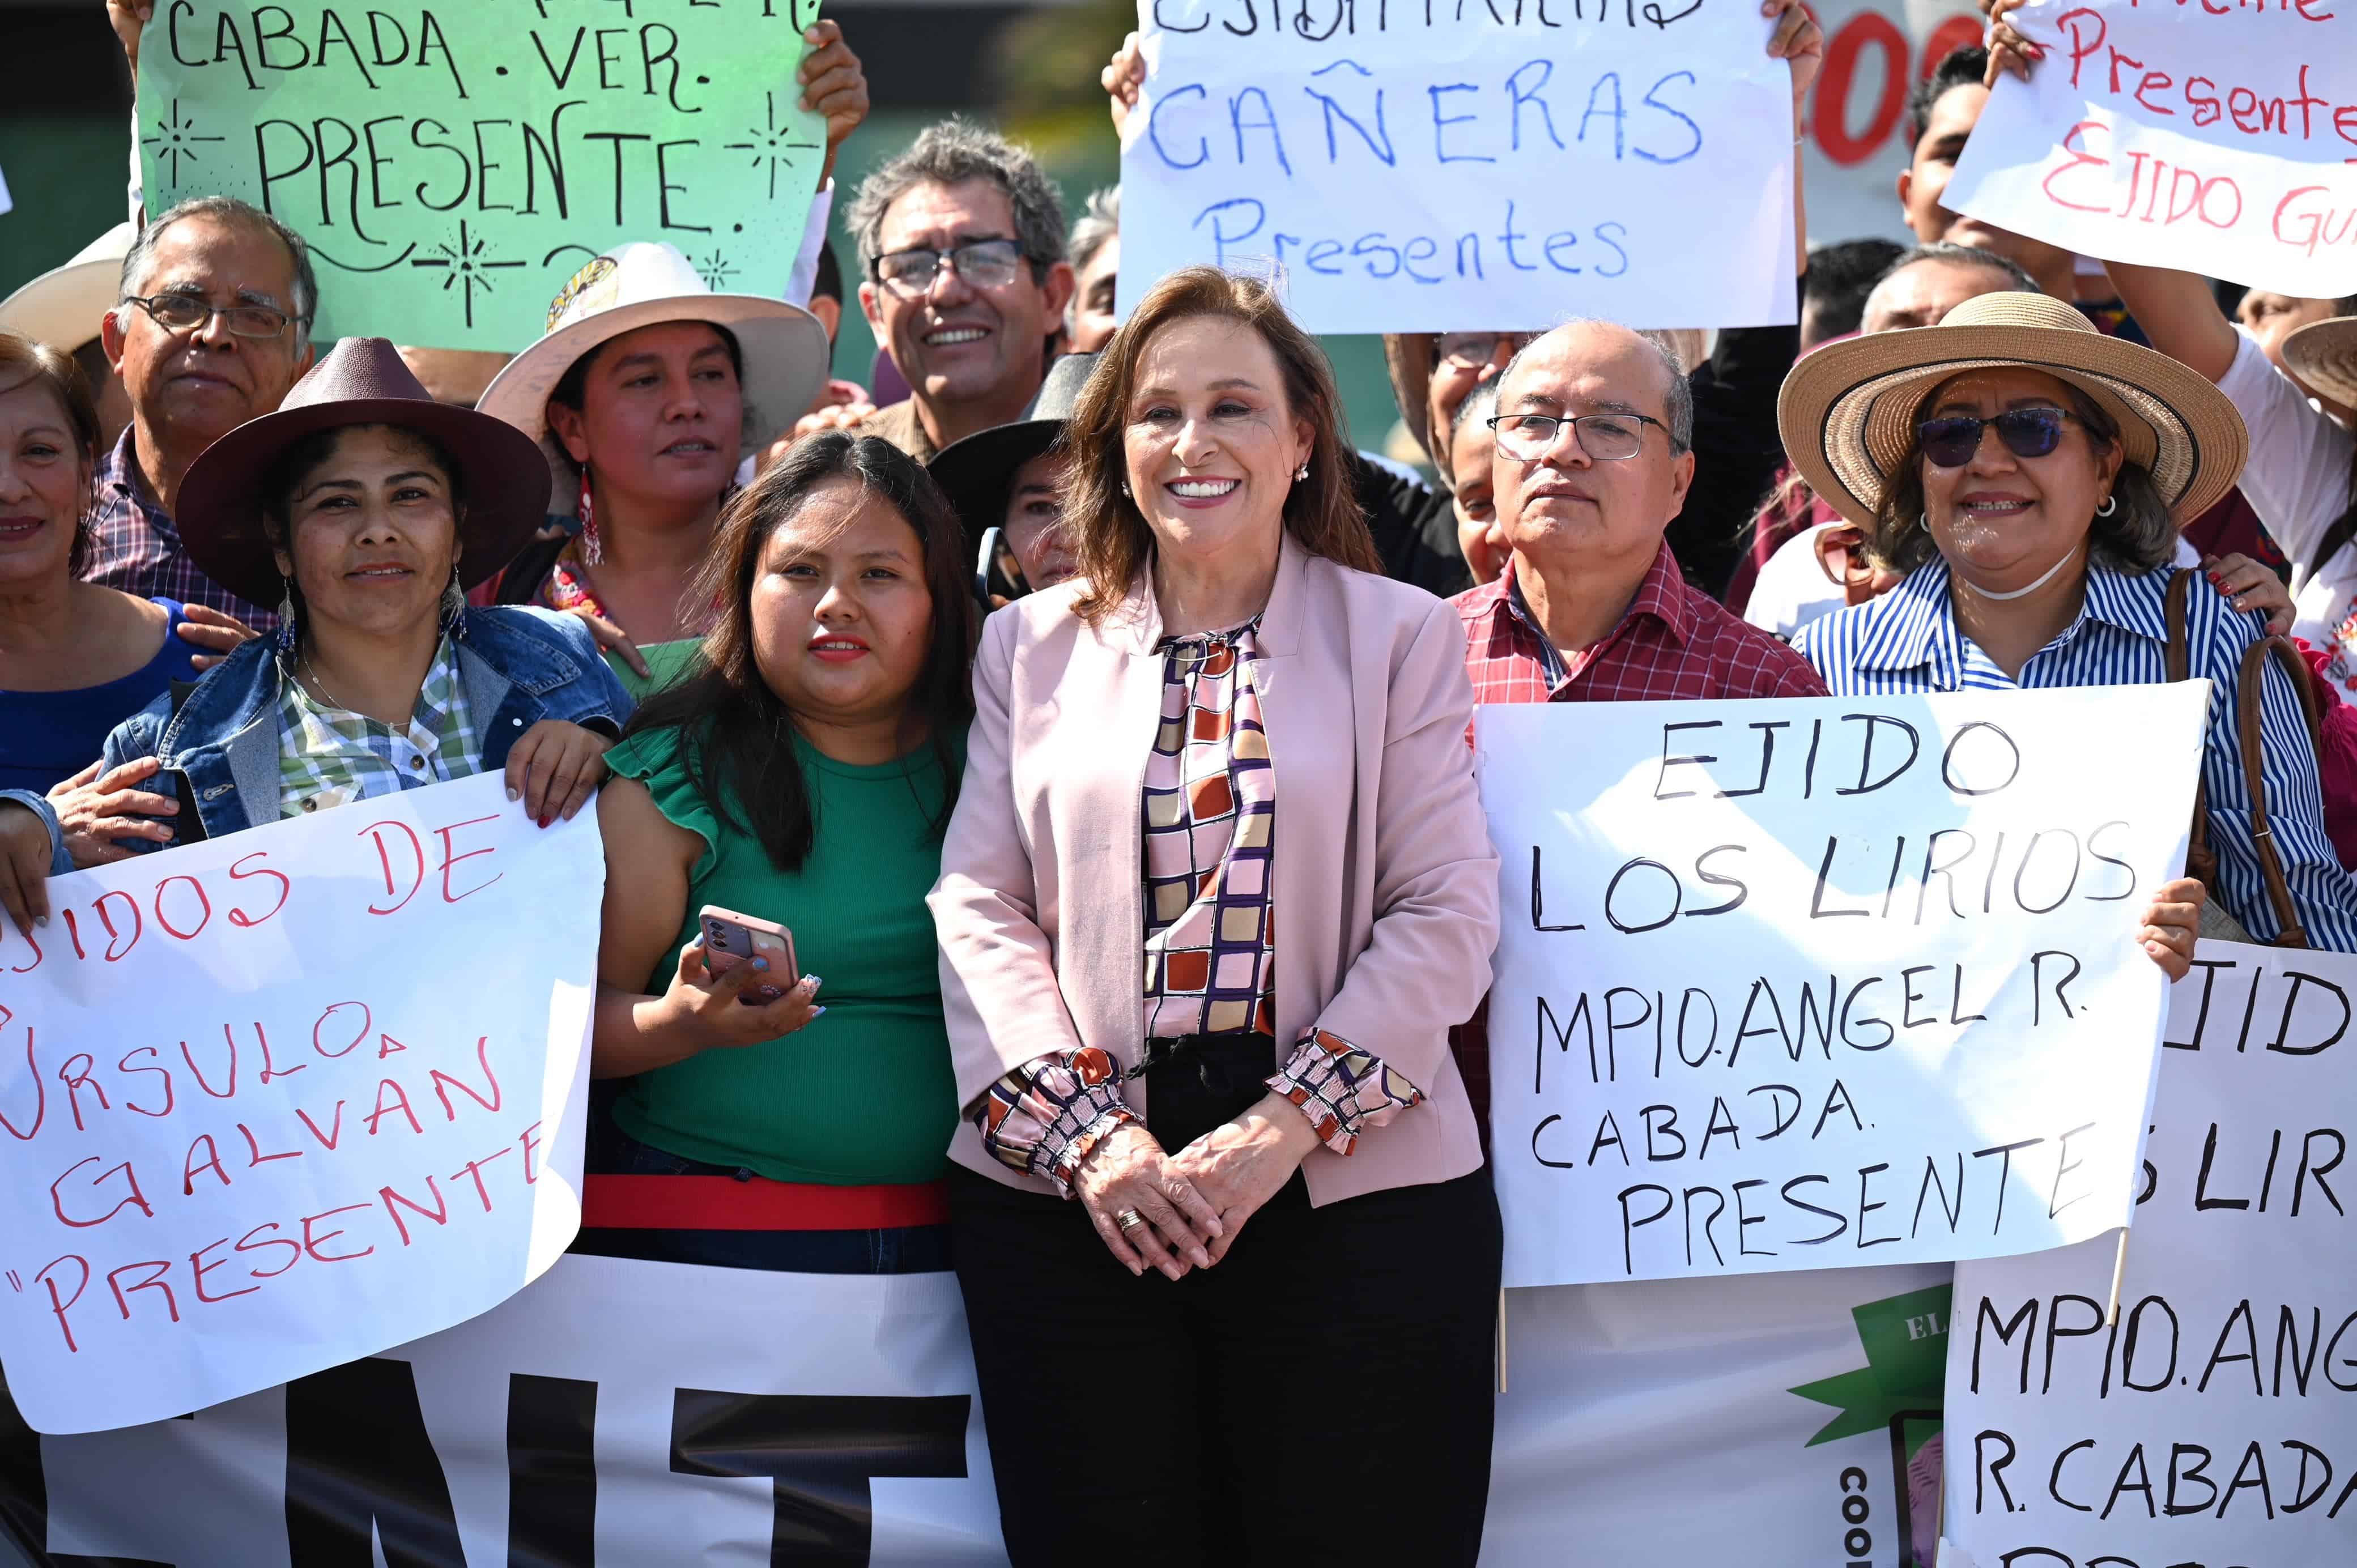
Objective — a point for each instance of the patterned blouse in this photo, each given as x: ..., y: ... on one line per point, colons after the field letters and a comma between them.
x: 330, y: 757
x: 1209, y: 820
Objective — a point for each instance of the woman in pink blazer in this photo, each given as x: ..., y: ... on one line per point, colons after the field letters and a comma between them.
x: 1217, y: 886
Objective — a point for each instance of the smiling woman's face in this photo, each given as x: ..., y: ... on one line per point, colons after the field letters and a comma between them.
x: 371, y: 532
x: 1209, y: 440
x: 44, y: 484
x: 2001, y: 520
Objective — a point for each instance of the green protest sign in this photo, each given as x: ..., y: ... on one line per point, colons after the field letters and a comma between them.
x: 452, y: 165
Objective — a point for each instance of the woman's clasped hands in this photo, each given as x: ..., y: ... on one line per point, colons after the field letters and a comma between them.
x: 1176, y: 1212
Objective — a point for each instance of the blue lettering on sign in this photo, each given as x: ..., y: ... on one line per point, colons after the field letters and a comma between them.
x: 1334, y: 111
x: 1441, y: 122
x: 1236, y: 221
x: 1616, y: 114
x: 1154, y: 128
x: 1516, y: 97
x: 1692, y: 129
x: 1267, y: 121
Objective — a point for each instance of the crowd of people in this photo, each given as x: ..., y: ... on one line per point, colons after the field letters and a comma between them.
x: 987, y: 690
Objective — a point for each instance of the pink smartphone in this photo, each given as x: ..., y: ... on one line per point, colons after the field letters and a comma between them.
x: 731, y: 939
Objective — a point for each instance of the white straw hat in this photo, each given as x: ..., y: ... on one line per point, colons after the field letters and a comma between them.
x: 65, y: 305
x: 644, y: 284
x: 1847, y: 411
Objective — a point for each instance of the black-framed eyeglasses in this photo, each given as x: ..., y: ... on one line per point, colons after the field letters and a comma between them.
x: 1949, y: 442
x: 984, y: 264
x: 192, y: 313
x: 1606, y: 438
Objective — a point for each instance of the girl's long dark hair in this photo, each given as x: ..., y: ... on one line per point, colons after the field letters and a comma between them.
x: 736, y: 735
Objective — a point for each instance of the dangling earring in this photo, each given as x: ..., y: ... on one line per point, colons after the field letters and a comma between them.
x: 1302, y: 472
x: 2111, y: 504
x: 592, y: 551
x: 454, y: 603
x: 286, y: 615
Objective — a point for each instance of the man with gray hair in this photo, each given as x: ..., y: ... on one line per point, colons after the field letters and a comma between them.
x: 212, y: 327
x: 961, y: 247
x: 1095, y: 253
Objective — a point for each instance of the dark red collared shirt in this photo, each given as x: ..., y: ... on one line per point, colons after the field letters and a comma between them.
x: 1675, y: 642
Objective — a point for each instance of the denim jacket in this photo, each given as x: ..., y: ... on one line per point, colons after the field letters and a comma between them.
x: 60, y: 860
x: 219, y: 749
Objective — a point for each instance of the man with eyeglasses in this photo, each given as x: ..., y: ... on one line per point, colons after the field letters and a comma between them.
x: 1595, y: 430
x: 962, y: 242
x: 1594, y: 457
x: 211, y: 330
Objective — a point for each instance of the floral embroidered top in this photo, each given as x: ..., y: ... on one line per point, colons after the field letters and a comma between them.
x: 1209, y: 819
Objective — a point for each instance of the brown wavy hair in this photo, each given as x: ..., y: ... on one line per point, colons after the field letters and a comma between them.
x: 1111, y: 537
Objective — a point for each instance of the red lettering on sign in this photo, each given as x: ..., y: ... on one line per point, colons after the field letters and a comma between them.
x: 237, y: 872
x: 400, y: 1102
x: 189, y: 1057
x: 58, y: 1308
x: 137, y: 1200
x: 271, y: 1070
x: 384, y: 858
x: 75, y: 1081
x: 335, y: 1127
x: 191, y: 1165
x: 1850, y: 40
x: 439, y: 1213
x: 367, y: 1018
x: 246, y: 1243
x: 449, y: 860
x: 311, y: 1243
x: 473, y: 1169
x: 40, y: 1090
x: 163, y: 1072
x: 153, y: 1282
x: 196, y: 1262
x: 444, y: 1083
x: 254, y: 1149
x: 204, y: 908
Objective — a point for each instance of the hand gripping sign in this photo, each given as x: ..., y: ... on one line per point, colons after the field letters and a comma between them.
x: 2214, y: 138
x: 284, y: 1099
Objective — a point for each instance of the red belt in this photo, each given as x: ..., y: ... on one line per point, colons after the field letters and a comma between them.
x: 724, y: 1203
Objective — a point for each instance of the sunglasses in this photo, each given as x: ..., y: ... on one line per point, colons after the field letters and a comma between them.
x: 1951, y: 442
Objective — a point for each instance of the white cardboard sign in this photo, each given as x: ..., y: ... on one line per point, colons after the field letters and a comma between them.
x: 2216, y: 1424
x: 1420, y: 168
x: 2216, y: 138
x: 277, y: 1100
x: 1825, y: 983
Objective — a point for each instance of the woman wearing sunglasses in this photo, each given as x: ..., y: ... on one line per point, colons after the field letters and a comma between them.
x: 2027, y: 477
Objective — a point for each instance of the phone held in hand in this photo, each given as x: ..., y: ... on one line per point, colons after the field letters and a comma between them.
x: 998, y: 576
x: 731, y: 939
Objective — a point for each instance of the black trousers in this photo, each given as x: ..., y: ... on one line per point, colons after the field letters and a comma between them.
x: 1322, y: 1395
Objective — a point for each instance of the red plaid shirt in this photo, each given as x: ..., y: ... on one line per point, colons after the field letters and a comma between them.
x: 1673, y: 641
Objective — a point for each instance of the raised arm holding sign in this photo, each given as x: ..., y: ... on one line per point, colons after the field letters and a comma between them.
x: 1418, y: 171
x: 2216, y: 139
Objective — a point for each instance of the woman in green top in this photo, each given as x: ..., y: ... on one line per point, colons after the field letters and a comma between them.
x: 802, y: 777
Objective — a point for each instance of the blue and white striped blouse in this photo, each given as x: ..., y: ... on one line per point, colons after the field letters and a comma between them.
x: 1907, y: 641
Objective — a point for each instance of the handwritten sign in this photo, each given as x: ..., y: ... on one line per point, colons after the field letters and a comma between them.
x: 452, y: 165
x: 2213, y: 1424
x: 281, y: 1100
x: 2217, y: 138
x: 1417, y: 168
x: 1813, y: 984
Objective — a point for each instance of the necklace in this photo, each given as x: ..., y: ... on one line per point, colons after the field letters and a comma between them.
x: 313, y: 671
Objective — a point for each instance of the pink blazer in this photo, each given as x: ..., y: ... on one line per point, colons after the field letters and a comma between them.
x: 1385, y: 885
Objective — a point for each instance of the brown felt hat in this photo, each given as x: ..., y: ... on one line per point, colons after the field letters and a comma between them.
x: 2324, y: 354
x: 361, y: 381
x: 1848, y: 412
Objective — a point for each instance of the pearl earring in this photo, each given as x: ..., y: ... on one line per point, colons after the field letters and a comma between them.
x: 1302, y: 472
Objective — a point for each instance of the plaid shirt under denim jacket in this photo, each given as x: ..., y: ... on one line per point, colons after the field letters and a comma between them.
x: 220, y: 750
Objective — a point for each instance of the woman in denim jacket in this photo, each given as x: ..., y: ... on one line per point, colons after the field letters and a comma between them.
x: 368, y: 509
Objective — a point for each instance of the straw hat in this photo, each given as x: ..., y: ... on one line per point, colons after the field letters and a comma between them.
x: 361, y: 381
x: 1848, y: 412
x: 2324, y: 354
x: 976, y: 472
x: 644, y: 284
x: 64, y: 306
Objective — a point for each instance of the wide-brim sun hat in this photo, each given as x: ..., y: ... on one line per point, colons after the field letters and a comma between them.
x: 976, y: 472
x: 361, y: 381
x: 785, y: 349
x: 1848, y: 412
x: 2324, y: 354
x: 65, y: 307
